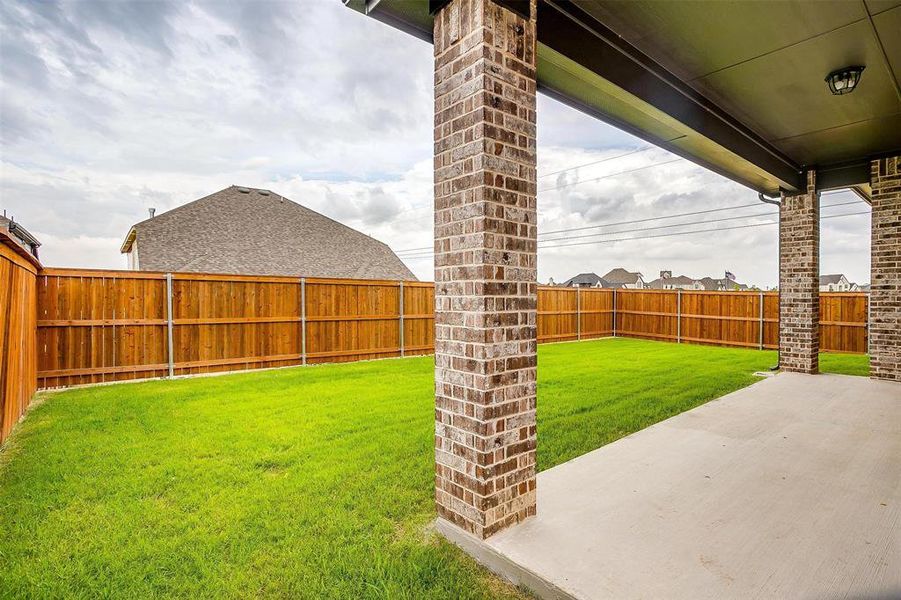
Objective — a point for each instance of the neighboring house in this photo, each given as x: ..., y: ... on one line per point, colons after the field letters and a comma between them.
x: 864, y: 288
x: 666, y: 281
x: 20, y: 235
x: 585, y: 280
x: 730, y: 285
x: 836, y: 283
x: 620, y: 278
x: 709, y: 284
x: 257, y: 232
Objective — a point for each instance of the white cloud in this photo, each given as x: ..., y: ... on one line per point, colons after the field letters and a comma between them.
x: 112, y: 108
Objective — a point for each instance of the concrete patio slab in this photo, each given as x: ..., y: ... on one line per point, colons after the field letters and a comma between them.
x: 790, y: 488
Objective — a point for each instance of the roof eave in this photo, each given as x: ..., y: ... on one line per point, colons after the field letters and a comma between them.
x: 129, y: 240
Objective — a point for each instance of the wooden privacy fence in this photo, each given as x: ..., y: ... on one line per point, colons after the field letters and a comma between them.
x: 96, y: 326
x: 746, y: 319
x: 18, y: 367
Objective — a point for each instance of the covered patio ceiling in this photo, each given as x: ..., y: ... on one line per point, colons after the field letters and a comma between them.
x: 737, y: 87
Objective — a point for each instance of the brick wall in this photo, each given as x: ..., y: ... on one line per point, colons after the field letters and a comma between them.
x: 485, y: 265
x: 799, y: 279
x: 885, y: 265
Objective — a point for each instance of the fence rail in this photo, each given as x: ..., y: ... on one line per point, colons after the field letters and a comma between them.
x: 96, y: 326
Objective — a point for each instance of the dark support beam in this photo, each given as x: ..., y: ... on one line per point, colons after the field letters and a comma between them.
x: 843, y: 175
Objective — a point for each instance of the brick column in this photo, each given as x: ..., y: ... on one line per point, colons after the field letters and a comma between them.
x: 485, y: 266
x: 885, y: 266
x: 799, y: 280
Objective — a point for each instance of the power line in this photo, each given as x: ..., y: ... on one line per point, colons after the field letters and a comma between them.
x: 411, y: 249
x: 673, y: 234
x: 415, y: 251
x: 416, y: 219
x: 712, y: 230
x: 763, y: 214
x: 597, y: 162
x: 590, y: 235
x: 673, y: 216
x: 565, y: 185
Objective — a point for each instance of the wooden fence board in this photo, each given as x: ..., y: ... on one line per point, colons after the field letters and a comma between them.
x: 18, y: 331
x: 90, y: 323
x: 843, y: 322
x: 648, y: 314
x: 557, y: 315
x: 419, y: 318
x: 105, y: 325
x: 595, y: 313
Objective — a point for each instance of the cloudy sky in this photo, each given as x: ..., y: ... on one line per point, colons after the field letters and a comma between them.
x: 110, y: 108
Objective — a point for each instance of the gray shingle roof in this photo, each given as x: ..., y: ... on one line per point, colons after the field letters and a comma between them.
x: 827, y: 279
x: 621, y: 276
x: 584, y: 279
x: 660, y: 283
x: 710, y: 284
x: 259, y: 233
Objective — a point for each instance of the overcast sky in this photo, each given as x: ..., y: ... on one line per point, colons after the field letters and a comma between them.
x: 110, y: 108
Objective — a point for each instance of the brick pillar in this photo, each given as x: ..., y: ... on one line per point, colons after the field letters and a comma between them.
x: 485, y: 266
x: 799, y: 280
x: 885, y: 266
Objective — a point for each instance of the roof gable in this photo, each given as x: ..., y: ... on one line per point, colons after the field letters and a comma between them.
x: 620, y: 275
x: 832, y: 278
x: 250, y: 231
x: 584, y: 278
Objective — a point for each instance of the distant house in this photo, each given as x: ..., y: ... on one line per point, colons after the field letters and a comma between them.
x: 621, y: 278
x: 585, y: 280
x: 257, y: 232
x: 710, y: 284
x: 20, y: 235
x: 836, y: 283
x: 729, y: 284
x: 666, y: 281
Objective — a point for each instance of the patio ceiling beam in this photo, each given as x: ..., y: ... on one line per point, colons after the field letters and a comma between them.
x: 843, y: 175
x: 570, y: 31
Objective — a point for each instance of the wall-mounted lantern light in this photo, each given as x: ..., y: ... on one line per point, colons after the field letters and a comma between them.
x: 844, y: 80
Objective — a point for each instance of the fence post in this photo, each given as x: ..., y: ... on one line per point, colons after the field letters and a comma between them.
x: 401, y: 318
x: 614, y: 312
x: 169, y: 324
x: 679, y: 316
x: 579, y: 314
x: 303, y: 321
x: 760, y: 335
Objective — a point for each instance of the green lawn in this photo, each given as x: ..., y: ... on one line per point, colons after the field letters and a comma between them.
x: 845, y: 364
x: 308, y: 482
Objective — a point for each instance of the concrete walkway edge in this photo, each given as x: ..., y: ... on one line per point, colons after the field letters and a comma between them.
x: 499, y: 564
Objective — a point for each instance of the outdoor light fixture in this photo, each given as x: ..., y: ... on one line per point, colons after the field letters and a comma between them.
x: 844, y: 80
